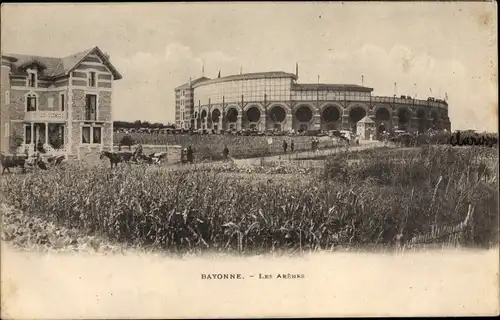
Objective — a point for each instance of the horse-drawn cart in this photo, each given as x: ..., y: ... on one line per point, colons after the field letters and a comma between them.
x: 31, y: 161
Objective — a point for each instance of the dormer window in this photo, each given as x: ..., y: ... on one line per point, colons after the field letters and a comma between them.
x: 92, y: 77
x: 32, y: 79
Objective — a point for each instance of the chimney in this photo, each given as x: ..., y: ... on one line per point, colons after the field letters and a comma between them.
x: 297, y: 69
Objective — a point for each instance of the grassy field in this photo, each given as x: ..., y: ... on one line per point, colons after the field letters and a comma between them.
x: 371, y: 203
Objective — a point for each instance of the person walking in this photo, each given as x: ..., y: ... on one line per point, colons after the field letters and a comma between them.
x: 190, y: 154
x: 225, y: 152
x: 285, y: 145
x: 292, y: 145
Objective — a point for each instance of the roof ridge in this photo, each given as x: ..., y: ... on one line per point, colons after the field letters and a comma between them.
x: 30, y: 55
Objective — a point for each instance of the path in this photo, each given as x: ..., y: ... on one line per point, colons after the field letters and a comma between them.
x: 309, y: 154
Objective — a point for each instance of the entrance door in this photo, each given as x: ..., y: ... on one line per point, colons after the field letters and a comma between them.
x: 39, y: 134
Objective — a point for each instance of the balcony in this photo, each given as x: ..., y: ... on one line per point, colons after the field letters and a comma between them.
x: 45, y: 116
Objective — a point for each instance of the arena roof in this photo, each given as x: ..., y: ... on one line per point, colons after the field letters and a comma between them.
x: 193, y: 82
x: 326, y: 86
x: 250, y: 76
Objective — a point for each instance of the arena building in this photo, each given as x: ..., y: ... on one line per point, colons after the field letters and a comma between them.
x: 275, y: 101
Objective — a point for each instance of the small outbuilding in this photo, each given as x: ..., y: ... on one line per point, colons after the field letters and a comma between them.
x: 365, y: 128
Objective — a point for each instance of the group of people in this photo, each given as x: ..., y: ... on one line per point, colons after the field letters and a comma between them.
x: 314, y: 145
x: 187, y: 155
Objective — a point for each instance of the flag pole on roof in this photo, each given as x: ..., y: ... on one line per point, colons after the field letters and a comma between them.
x: 202, y: 70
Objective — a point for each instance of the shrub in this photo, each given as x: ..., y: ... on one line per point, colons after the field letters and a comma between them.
x: 127, y: 141
x: 16, y: 141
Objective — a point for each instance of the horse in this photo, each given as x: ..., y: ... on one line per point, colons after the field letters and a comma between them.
x: 115, y: 158
x: 12, y: 162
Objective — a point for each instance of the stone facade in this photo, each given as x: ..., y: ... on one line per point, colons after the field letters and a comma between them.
x: 255, y: 100
x: 63, y: 106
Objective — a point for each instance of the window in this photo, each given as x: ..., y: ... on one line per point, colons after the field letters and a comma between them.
x: 91, y: 135
x: 97, y: 135
x: 32, y: 79
x: 27, y: 134
x: 31, y: 102
x: 92, y: 79
x: 91, y: 107
x: 62, y: 101
x: 86, y: 135
x: 50, y: 102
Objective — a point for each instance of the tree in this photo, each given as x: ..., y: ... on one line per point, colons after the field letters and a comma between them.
x: 127, y: 141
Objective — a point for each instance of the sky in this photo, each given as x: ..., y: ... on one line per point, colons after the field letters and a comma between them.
x: 446, y: 47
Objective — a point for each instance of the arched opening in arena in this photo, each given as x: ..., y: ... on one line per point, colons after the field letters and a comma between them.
x: 231, y: 118
x: 253, y: 115
x: 435, y: 119
x: 277, y: 115
x: 204, y: 114
x: 330, y: 115
x: 356, y: 114
x: 197, y: 120
x: 304, y: 116
x: 422, y: 121
x: 404, y: 118
x: 216, y: 117
x: 382, y: 119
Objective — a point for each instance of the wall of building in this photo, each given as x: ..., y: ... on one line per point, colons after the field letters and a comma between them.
x: 4, y: 110
x: 397, y: 113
